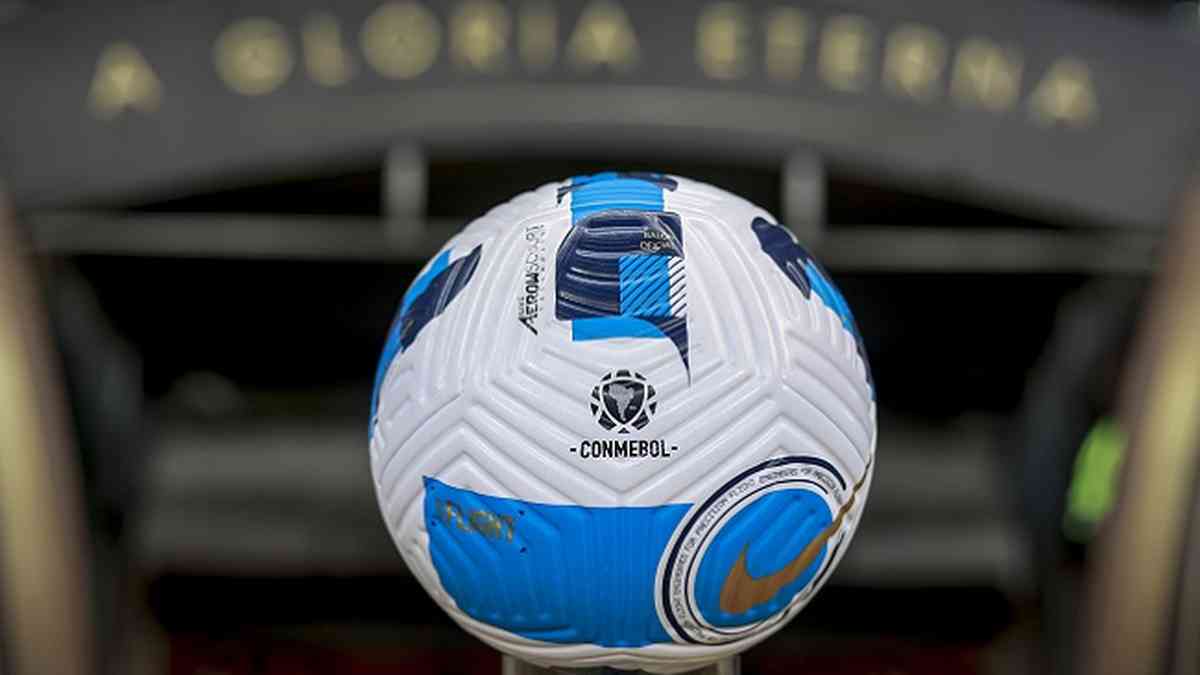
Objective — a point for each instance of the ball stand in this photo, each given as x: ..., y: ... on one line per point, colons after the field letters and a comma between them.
x: 511, y: 666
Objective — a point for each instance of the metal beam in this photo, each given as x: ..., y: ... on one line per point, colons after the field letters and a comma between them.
x: 845, y: 248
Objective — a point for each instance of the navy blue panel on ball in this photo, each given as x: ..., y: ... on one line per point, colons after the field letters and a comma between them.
x: 441, y: 291
x: 426, y: 298
x: 808, y: 275
x: 621, y: 270
x: 787, y: 253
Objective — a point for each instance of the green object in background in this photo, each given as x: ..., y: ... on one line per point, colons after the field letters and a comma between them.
x: 1094, y: 483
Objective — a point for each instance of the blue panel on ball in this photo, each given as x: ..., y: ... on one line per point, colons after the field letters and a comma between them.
x: 613, y: 190
x: 421, y: 283
x: 645, y: 285
x: 831, y: 296
x: 604, y: 328
x: 558, y: 573
x: 771, y: 533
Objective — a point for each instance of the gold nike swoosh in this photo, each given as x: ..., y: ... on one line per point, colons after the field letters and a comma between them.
x: 741, y: 592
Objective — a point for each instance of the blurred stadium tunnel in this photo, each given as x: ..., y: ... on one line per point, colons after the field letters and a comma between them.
x: 227, y: 200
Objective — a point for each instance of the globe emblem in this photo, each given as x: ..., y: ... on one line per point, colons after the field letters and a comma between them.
x: 623, y: 401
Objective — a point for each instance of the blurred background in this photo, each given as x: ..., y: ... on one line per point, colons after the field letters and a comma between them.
x: 216, y: 207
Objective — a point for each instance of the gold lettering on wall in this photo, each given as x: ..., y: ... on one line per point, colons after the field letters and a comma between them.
x: 479, y: 35
x: 538, y: 35
x: 604, y: 37
x: 325, y: 57
x: 722, y: 34
x: 401, y: 39
x: 986, y: 75
x: 913, y: 62
x: 787, y: 40
x: 845, y: 52
x: 253, y: 56
x: 123, y: 79
x: 1065, y: 95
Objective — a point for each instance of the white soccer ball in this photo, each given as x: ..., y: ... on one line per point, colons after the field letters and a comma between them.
x: 623, y: 420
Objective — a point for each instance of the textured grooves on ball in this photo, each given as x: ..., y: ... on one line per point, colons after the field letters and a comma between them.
x: 487, y: 417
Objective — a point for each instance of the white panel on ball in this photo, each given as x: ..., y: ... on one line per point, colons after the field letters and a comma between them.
x: 623, y: 420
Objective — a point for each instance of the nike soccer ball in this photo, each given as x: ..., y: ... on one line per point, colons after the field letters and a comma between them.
x: 623, y: 420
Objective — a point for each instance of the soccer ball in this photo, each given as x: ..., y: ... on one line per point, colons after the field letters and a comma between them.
x: 624, y: 420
